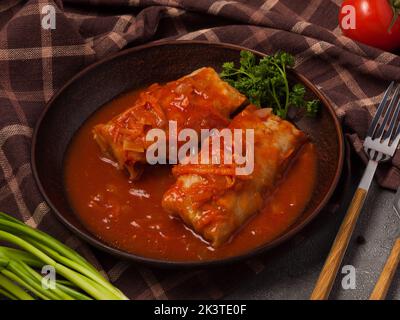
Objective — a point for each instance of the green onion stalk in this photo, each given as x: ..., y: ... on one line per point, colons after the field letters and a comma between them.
x: 20, y: 280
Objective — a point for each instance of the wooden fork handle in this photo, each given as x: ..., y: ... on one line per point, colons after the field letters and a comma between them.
x: 328, y: 274
x: 388, y: 272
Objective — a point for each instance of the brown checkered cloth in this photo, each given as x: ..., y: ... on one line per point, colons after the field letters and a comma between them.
x: 35, y: 62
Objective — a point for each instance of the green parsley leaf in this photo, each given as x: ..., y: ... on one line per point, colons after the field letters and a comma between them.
x: 265, y: 83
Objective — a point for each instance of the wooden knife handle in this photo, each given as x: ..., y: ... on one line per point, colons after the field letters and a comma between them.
x: 388, y: 272
x: 329, y: 271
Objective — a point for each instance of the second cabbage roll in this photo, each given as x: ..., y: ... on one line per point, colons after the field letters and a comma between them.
x: 213, y: 200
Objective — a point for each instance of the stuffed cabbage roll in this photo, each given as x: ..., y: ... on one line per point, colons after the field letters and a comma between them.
x: 212, y: 199
x: 198, y: 101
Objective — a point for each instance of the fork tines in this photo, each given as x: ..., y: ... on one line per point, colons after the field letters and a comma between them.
x: 385, y: 124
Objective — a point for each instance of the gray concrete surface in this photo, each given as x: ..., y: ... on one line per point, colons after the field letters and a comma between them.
x: 295, y: 266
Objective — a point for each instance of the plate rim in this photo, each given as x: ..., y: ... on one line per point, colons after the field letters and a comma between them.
x: 91, y: 239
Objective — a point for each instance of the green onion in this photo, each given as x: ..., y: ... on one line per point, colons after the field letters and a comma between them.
x: 73, y: 293
x: 80, y: 280
x: 26, y: 257
x: 76, y: 266
x: 7, y: 294
x: 14, y: 289
x: 19, y: 228
x: 26, y: 282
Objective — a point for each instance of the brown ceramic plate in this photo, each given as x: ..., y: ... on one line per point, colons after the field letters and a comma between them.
x: 141, y: 66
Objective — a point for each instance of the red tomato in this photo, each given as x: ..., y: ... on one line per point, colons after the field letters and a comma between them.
x: 373, y: 19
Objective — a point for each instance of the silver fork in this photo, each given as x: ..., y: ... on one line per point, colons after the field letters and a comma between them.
x: 380, y: 145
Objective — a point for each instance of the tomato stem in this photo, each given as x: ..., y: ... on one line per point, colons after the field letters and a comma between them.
x: 395, y: 5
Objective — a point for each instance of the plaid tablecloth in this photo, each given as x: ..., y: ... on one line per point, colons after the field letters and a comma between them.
x: 35, y: 62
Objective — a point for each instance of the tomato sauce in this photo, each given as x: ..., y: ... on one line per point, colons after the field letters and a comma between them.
x: 128, y: 214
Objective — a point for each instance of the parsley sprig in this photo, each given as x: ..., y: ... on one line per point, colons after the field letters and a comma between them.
x: 265, y: 83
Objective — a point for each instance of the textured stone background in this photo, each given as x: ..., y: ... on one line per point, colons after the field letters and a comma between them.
x: 295, y: 266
